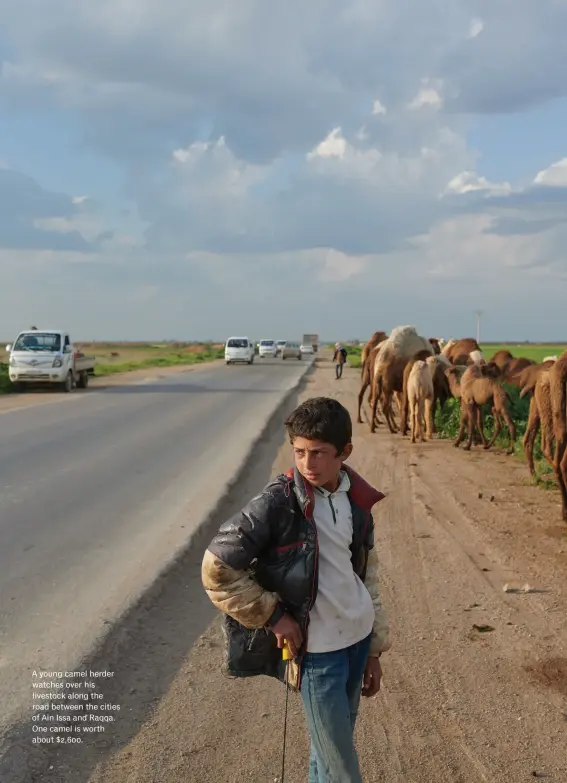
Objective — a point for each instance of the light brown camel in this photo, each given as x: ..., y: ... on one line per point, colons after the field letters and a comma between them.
x: 475, y: 391
x: 540, y: 417
x: 558, y: 390
x: 420, y: 356
x: 515, y: 368
x: 458, y: 351
x: 376, y: 338
x: 420, y: 399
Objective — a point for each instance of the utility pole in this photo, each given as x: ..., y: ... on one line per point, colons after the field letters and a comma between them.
x: 478, y: 317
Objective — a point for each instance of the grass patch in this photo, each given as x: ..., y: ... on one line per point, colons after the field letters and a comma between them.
x: 447, y: 424
x: 5, y: 384
x: 114, y: 361
x: 535, y: 351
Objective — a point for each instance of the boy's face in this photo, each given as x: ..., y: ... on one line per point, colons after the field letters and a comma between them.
x: 318, y: 462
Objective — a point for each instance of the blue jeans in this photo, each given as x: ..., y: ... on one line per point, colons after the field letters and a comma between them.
x: 338, y: 370
x: 330, y: 689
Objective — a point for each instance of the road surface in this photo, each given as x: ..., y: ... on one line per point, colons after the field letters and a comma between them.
x: 98, y: 489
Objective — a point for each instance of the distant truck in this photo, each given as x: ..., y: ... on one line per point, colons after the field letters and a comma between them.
x: 311, y: 339
x: 48, y: 356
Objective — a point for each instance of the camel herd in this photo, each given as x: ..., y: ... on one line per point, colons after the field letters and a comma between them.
x: 419, y: 373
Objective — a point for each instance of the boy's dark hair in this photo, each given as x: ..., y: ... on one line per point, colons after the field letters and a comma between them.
x: 321, y: 418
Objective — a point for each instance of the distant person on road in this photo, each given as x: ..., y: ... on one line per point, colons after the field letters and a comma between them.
x: 298, y: 566
x: 339, y: 358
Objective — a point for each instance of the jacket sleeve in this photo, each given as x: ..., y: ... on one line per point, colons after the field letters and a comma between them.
x: 380, y: 641
x: 225, y: 570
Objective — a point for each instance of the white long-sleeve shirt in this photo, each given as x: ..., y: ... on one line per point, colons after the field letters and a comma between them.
x: 343, y: 613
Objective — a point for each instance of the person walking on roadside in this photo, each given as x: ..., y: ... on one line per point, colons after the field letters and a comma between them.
x: 298, y: 567
x: 339, y: 358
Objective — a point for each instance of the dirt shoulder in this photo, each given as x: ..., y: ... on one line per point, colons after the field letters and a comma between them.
x: 458, y: 703
x: 46, y: 395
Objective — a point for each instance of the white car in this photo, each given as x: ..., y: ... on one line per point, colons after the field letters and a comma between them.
x: 306, y: 350
x: 268, y: 348
x: 238, y: 349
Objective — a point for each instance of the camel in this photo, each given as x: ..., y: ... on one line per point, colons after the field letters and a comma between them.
x: 376, y: 338
x: 440, y: 385
x: 436, y: 346
x: 514, y: 369
x: 527, y: 378
x: 501, y: 359
x: 459, y: 351
x: 540, y: 417
x: 367, y: 377
x: 558, y: 391
x: 475, y: 391
x: 420, y: 400
x: 389, y: 364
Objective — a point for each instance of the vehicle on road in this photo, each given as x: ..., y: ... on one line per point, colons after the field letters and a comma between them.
x: 291, y: 351
x: 306, y: 349
x: 239, y: 349
x: 311, y: 339
x: 268, y: 348
x: 48, y: 356
x: 280, y: 344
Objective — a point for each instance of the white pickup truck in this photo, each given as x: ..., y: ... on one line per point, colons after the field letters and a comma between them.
x: 48, y: 356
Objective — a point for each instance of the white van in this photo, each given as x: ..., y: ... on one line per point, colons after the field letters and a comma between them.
x: 238, y: 349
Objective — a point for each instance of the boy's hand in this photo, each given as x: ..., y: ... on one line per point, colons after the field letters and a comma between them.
x: 287, y: 630
x: 372, y: 677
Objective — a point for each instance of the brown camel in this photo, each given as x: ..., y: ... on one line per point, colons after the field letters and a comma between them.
x: 375, y: 340
x: 435, y: 344
x: 458, y: 351
x: 540, y: 417
x: 515, y: 368
x: 367, y: 377
x: 387, y: 381
x: 558, y: 390
x: 527, y: 378
x: 475, y: 391
x: 501, y: 359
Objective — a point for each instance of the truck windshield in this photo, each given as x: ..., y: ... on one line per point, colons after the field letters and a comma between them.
x: 38, y: 341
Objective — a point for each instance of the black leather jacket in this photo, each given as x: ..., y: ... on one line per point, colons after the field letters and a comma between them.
x: 274, y: 539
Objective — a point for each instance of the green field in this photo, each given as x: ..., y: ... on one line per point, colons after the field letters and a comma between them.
x: 112, y: 358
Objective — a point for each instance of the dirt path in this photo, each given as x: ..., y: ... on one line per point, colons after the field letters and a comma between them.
x: 457, y: 704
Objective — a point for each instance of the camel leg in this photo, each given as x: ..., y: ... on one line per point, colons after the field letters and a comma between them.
x: 365, y: 385
x: 480, y: 426
x: 471, y: 414
x: 511, y: 429
x: 413, y: 421
x: 530, y: 436
x: 497, y: 428
x: 462, y: 422
x: 388, y: 412
x: 422, y: 424
x: 563, y: 486
x: 429, y: 418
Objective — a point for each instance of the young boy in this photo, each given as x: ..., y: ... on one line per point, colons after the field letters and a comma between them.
x: 298, y: 565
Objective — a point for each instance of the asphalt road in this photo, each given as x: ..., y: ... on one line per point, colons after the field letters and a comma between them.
x: 97, y: 491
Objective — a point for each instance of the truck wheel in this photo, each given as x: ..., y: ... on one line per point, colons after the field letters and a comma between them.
x: 83, y: 380
x: 68, y: 382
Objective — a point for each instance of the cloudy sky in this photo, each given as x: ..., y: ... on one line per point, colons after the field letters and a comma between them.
x: 199, y: 168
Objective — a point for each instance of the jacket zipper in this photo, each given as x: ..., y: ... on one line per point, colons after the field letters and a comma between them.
x: 312, y: 601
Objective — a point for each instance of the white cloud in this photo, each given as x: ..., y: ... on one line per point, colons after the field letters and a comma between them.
x: 476, y: 27
x: 378, y: 108
x: 470, y: 181
x: 555, y: 176
x: 333, y: 146
x: 429, y: 95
